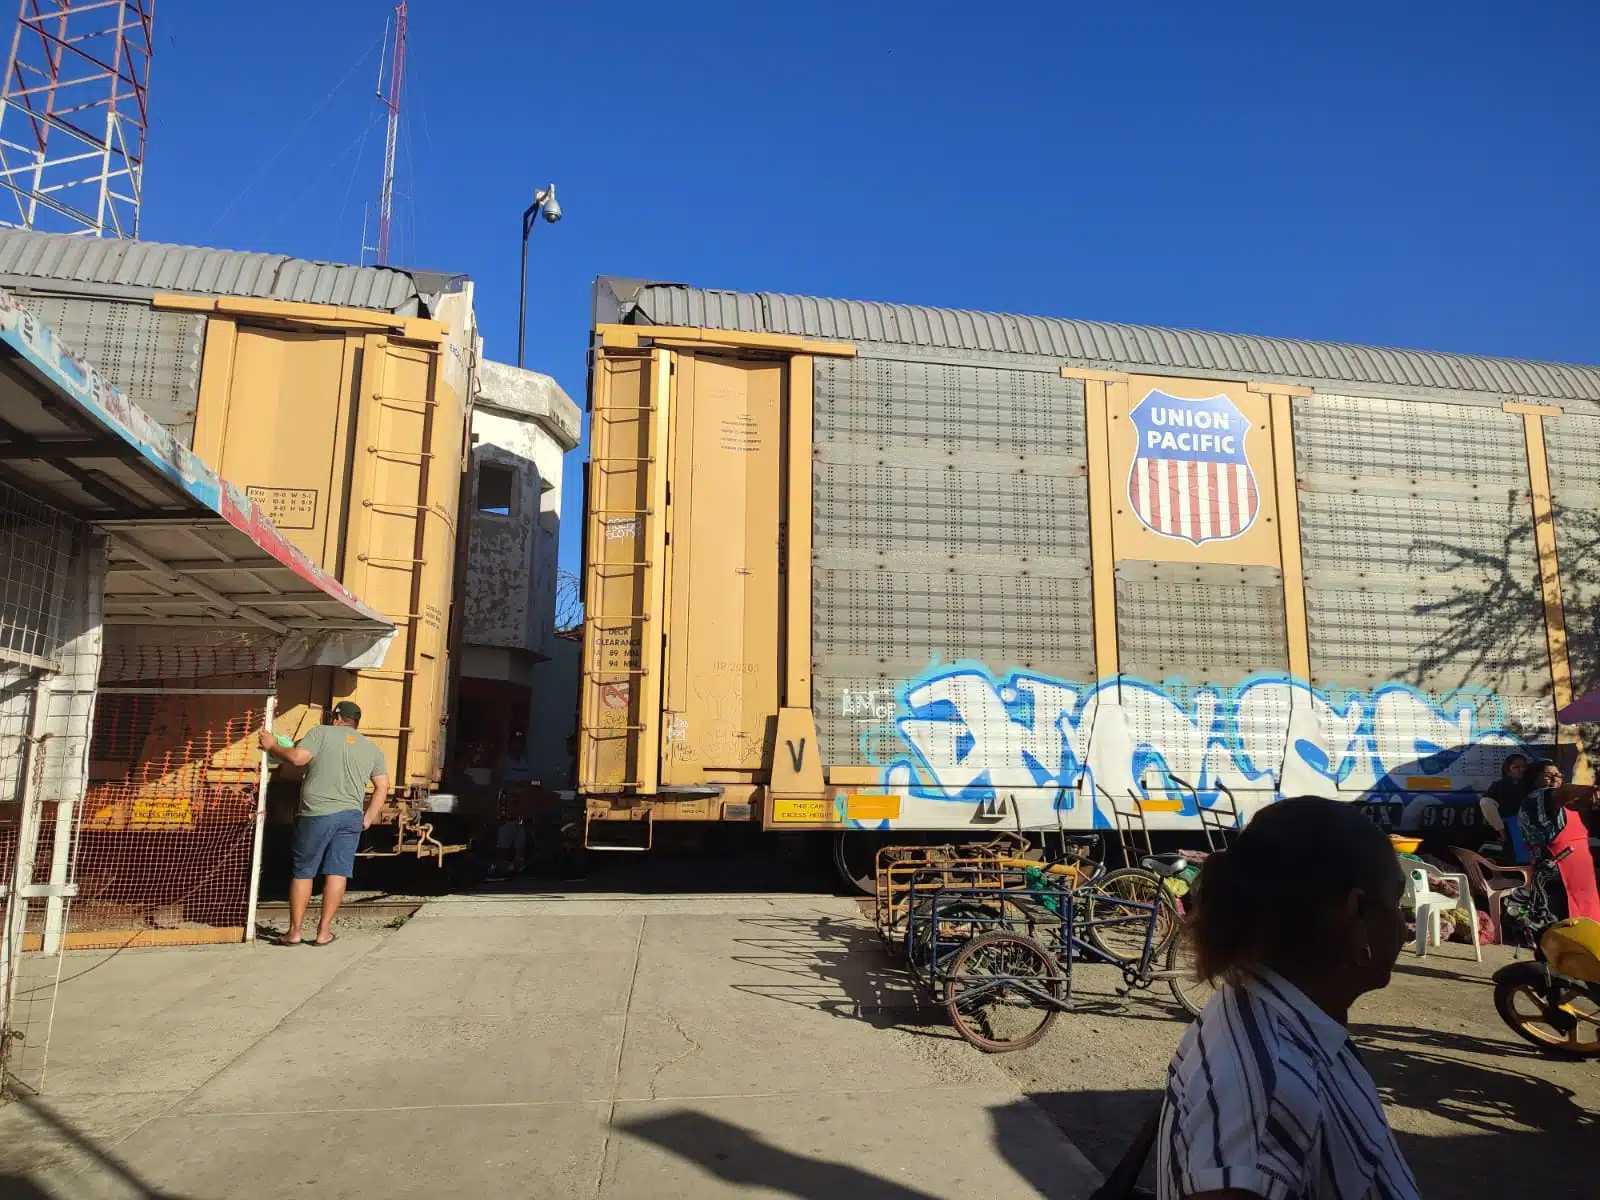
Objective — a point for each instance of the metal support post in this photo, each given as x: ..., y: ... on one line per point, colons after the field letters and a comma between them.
x: 19, y: 886
x: 261, y: 829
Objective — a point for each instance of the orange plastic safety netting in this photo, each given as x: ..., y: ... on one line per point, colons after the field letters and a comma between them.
x: 166, y: 831
x: 165, y: 834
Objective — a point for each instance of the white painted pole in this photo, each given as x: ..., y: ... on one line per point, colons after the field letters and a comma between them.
x: 261, y: 829
x: 15, y: 923
x: 66, y: 806
x: 79, y: 685
x: 68, y: 800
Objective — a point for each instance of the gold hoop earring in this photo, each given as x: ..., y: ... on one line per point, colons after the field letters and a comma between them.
x: 1364, y: 956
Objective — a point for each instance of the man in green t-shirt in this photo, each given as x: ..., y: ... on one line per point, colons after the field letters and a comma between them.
x: 339, y: 764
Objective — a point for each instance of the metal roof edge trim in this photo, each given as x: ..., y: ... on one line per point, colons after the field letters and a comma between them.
x: 44, y: 285
x: 126, y: 268
x: 1147, y: 349
x: 37, y: 345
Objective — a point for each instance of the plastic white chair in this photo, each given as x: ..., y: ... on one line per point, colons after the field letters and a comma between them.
x: 1494, y: 881
x: 1428, y: 904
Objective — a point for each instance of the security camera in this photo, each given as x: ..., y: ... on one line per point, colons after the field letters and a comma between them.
x: 552, y: 207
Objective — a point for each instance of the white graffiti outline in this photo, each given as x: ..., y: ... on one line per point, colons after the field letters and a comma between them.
x: 965, y: 735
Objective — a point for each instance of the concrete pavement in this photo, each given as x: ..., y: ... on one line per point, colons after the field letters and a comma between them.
x: 585, y: 1047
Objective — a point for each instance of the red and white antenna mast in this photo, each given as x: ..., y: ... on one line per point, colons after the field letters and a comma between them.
x: 74, y: 110
x: 392, y: 103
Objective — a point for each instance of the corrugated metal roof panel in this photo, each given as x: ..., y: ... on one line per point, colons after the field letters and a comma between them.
x: 1128, y: 346
x: 90, y: 263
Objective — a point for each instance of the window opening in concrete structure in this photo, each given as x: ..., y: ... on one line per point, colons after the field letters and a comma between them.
x: 497, y: 490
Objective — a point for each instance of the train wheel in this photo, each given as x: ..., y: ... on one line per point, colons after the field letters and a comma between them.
x: 855, y: 857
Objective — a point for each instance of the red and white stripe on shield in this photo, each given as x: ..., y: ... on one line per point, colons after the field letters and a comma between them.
x: 1197, y: 501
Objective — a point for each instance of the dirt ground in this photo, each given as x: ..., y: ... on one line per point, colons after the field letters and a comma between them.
x: 1477, y: 1112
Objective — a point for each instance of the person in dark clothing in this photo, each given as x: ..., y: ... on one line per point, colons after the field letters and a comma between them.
x: 1552, y: 823
x: 1501, y: 803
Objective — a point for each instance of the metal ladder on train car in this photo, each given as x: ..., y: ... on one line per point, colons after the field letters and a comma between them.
x: 644, y: 567
x: 417, y: 513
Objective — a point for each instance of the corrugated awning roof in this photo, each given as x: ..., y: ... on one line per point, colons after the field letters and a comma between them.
x: 187, y: 547
x: 1092, y: 343
x: 110, y: 265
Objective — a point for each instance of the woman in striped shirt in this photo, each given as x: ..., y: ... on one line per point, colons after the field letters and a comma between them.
x: 1266, y: 1095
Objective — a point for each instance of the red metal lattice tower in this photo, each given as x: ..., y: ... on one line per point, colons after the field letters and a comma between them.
x: 74, y: 111
x: 392, y: 103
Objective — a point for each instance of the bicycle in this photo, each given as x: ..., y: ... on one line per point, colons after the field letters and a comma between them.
x: 1179, y: 872
x: 998, y: 954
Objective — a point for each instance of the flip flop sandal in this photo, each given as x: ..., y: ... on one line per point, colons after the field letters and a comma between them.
x: 332, y: 938
x: 283, y: 941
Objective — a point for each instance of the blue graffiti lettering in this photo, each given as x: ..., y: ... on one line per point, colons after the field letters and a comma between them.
x: 968, y: 735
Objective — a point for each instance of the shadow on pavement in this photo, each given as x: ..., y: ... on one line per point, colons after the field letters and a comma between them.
x: 737, y: 1156
x: 20, y: 1187
x: 836, y: 966
x: 1529, y: 1136
x: 1025, y: 1139
x: 1412, y: 967
x: 1101, y: 1124
x: 1507, y: 1048
x: 1481, y: 1098
x: 734, y: 1155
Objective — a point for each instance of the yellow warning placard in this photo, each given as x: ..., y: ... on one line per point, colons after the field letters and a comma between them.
x: 872, y: 806
x: 1428, y: 783
x: 1160, y: 804
x: 803, y: 812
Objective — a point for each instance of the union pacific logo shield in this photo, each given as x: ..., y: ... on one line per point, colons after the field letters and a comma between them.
x: 1190, y: 478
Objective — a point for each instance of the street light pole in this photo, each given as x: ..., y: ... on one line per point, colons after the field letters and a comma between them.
x: 544, y: 199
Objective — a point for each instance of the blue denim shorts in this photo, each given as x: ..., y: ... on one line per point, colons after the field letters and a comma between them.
x: 326, y: 845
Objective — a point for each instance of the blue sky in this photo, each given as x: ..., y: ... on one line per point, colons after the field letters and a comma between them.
x: 1403, y: 174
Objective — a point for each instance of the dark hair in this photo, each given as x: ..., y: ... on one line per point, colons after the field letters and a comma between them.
x: 1505, y: 763
x: 1266, y: 899
x: 1533, y: 777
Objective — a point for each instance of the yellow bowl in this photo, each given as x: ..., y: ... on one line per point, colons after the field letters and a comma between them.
x: 1405, y: 845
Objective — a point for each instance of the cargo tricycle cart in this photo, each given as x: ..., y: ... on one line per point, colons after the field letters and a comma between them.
x: 993, y: 936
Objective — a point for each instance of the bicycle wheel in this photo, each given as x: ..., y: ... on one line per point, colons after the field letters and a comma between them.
x: 1004, y: 991
x: 1188, y: 990
x: 1116, y: 927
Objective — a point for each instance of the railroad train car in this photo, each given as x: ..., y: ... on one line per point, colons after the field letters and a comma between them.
x: 873, y: 567
x: 336, y: 396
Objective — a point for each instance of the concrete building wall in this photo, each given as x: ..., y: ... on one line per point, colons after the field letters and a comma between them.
x: 506, y: 581
x: 523, y: 424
